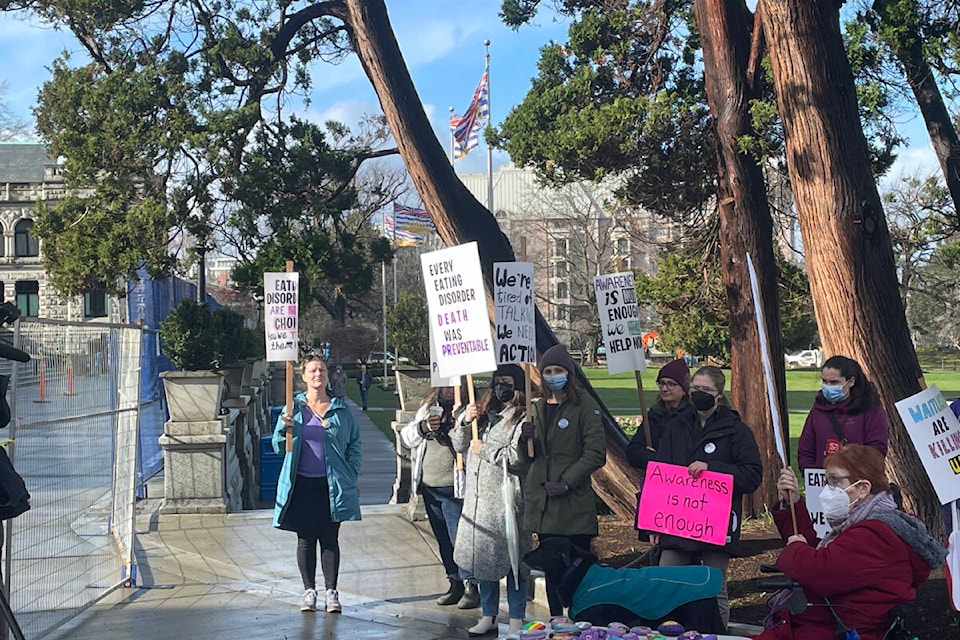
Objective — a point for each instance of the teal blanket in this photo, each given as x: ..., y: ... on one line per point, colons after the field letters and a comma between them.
x: 649, y: 592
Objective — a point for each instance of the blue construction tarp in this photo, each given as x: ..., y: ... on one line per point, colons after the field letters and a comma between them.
x: 150, y: 301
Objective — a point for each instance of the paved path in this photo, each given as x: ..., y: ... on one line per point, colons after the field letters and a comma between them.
x: 235, y: 576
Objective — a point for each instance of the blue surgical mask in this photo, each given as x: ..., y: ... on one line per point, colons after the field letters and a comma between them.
x: 556, y: 382
x: 832, y: 392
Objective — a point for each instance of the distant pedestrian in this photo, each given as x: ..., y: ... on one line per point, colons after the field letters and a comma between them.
x: 845, y: 411
x: 338, y: 383
x: 365, y: 380
x: 317, y: 489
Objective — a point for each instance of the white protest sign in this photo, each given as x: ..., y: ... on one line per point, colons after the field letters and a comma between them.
x: 935, y: 433
x: 815, y: 480
x: 436, y: 380
x: 280, y: 302
x: 620, y: 322
x: 457, y: 308
x: 513, y: 311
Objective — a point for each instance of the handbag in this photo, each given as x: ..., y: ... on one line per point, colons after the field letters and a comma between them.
x: 14, y: 497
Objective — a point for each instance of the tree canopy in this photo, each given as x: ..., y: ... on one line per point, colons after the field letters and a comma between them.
x: 181, y: 131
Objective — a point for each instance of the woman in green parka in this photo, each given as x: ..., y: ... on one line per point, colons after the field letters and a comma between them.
x: 569, y: 445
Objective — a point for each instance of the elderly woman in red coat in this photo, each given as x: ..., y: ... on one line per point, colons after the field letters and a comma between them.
x: 872, y: 560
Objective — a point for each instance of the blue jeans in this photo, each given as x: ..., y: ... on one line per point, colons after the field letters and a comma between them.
x: 516, y: 598
x: 443, y: 512
x: 363, y: 397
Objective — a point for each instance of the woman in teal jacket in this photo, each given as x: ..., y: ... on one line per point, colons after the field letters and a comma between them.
x: 317, y: 488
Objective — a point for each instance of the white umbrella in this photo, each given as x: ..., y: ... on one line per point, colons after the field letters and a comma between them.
x: 510, y: 520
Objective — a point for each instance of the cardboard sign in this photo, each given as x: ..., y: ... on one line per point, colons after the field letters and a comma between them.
x: 620, y: 322
x: 815, y: 480
x: 513, y: 312
x: 675, y: 503
x: 457, y: 306
x: 280, y: 303
x: 935, y: 433
x: 436, y: 380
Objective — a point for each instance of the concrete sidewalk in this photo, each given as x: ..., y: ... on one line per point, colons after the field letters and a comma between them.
x: 235, y: 576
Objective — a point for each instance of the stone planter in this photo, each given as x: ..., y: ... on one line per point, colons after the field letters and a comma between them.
x: 233, y: 379
x: 193, y: 396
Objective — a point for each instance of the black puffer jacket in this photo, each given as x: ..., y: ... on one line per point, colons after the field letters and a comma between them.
x: 727, y: 446
x: 637, y: 453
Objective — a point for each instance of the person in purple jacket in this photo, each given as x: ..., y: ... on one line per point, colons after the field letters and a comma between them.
x: 846, y: 410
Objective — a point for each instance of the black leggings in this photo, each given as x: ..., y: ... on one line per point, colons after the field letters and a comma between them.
x: 309, y: 515
x: 329, y: 557
x: 581, y: 540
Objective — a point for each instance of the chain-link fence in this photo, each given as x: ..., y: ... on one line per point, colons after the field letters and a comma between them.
x: 75, y: 429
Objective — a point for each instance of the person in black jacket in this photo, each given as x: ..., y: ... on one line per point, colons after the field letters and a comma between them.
x: 711, y: 438
x: 673, y: 382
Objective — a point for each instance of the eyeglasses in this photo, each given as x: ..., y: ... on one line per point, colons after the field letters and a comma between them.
x: 667, y: 384
x: 709, y: 390
x: 834, y: 481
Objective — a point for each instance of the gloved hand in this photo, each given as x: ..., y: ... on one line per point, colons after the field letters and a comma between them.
x: 526, y: 431
x: 554, y: 489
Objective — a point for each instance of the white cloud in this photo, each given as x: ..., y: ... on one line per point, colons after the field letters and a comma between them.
x: 915, y: 160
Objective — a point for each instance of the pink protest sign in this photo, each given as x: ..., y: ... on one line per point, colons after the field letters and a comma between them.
x: 672, y: 502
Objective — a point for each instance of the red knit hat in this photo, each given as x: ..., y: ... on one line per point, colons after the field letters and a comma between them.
x: 678, y: 371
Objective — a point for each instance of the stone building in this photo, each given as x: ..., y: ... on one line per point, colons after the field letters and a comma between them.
x: 572, y: 234
x: 28, y: 176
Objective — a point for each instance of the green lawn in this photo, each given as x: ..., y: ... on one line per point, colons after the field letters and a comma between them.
x: 619, y: 393
x: 382, y: 404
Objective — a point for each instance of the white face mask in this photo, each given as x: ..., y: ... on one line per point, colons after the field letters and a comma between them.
x: 835, y: 503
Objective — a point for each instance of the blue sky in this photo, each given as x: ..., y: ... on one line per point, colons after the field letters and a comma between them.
x: 442, y: 43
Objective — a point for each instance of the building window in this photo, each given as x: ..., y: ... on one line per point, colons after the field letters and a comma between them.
x: 560, y: 269
x: 25, y: 245
x: 95, y: 304
x: 28, y: 297
x: 562, y: 314
x: 562, y: 290
x: 623, y: 246
x: 560, y: 247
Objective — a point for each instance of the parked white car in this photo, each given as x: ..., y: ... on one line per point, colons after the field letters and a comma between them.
x: 808, y: 359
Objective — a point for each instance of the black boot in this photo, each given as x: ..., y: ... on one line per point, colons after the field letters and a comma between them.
x: 453, y: 594
x: 471, y: 596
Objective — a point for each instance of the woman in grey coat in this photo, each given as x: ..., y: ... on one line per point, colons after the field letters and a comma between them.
x: 481, y: 546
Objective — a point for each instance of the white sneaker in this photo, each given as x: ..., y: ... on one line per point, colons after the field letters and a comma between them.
x: 309, y: 600
x: 333, y: 601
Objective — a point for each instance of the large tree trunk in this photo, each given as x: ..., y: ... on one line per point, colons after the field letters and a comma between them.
x: 458, y: 216
x: 943, y: 135
x: 745, y: 228
x: 845, y: 235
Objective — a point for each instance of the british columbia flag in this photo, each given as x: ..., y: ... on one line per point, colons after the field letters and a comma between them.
x: 466, y: 128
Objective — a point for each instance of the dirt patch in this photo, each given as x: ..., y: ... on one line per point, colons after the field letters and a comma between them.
x: 930, y: 617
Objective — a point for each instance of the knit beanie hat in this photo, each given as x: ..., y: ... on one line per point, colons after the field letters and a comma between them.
x: 514, y: 372
x: 678, y: 371
x: 557, y: 355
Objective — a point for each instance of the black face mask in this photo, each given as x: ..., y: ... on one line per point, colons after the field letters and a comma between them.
x: 702, y: 401
x: 446, y: 403
x: 503, y: 392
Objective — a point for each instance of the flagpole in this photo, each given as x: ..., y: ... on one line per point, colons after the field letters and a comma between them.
x: 383, y: 287
x: 486, y: 44
x: 452, y: 140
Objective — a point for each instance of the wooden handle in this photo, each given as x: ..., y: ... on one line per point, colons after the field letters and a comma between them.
x: 471, y: 394
x: 527, y: 392
x: 289, y: 385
